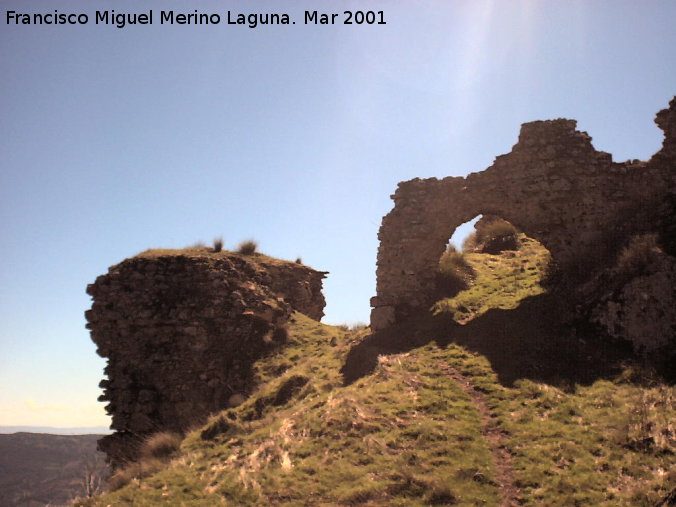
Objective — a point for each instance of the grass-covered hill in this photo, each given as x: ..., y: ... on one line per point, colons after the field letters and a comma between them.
x: 487, y: 403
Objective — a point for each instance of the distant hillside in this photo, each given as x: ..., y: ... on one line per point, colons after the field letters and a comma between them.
x: 433, y: 413
x: 38, y: 469
x: 81, y: 430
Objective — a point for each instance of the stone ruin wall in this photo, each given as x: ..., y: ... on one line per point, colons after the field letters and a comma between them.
x: 181, y: 332
x: 553, y: 185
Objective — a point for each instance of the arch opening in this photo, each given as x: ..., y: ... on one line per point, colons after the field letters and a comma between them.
x: 462, y: 232
x: 493, y: 264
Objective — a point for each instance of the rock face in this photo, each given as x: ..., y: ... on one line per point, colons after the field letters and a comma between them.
x: 181, y: 331
x: 641, y: 308
x: 553, y: 185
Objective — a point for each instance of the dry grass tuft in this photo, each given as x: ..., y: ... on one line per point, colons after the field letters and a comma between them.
x: 641, y: 251
x: 139, y: 470
x: 247, y: 247
x: 649, y: 429
x: 161, y: 445
x: 218, y: 245
x: 280, y: 335
x: 454, y: 273
x: 154, y: 454
x: 492, y: 236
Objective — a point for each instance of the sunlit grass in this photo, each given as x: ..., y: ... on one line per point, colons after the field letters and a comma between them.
x: 501, y: 281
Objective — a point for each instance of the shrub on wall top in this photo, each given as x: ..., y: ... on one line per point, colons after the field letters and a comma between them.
x: 247, y: 247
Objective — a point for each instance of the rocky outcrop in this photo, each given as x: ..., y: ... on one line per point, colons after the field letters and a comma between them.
x: 643, y: 311
x: 553, y: 185
x: 641, y: 308
x: 180, y: 331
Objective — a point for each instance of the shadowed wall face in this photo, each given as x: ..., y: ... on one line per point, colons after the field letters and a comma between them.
x: 553, y: 185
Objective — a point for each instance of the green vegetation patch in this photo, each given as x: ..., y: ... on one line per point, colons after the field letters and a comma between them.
x: 501, y: 281
x: 610, y: 443
x: 406, y: 435
x: 606, y: 444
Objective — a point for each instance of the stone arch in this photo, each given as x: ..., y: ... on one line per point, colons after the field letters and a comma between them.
x: 554, y: 186
x: 408, y: 256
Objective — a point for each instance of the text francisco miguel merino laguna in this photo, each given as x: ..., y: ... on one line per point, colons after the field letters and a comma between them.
x: 251, y: 20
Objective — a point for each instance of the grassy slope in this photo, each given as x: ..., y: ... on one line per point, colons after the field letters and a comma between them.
x: 409, y: 434
x: 501, y: 281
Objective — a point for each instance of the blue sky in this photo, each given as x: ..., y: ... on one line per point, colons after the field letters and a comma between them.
x: 118, y: 140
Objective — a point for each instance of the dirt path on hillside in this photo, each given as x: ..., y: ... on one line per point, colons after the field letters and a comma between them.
x: 496, y: 438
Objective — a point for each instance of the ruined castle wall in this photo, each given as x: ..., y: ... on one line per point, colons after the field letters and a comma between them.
x: 553, y: 185
x: 181, y: 332
x: 300, y: 287
x: 643, y: 310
